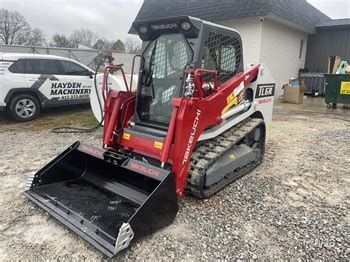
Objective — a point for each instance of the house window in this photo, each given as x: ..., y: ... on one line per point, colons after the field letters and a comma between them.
x: 301, y: 49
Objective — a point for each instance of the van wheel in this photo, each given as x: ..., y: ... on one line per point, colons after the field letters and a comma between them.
x: 24, y: 108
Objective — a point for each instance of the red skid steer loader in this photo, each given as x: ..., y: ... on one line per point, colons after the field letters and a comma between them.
x: 196, y: 123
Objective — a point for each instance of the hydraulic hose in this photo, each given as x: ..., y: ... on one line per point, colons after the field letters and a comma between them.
x: 72, y: 129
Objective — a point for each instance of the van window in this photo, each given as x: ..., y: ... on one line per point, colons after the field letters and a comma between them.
x: 73, y: 69
x: 17, y: 67
x: 42, y: 67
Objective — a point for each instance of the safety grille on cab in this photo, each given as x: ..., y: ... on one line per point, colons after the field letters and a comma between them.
x: 223, y: 54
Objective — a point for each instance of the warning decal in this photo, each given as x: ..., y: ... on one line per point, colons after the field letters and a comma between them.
x: 158, y: 145
x: 126, y: 136
x: 345, y: 88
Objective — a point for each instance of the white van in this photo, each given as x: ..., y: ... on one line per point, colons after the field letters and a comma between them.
x: 29, y: 82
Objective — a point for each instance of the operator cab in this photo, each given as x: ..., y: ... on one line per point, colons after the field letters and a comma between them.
x: 172, y: 45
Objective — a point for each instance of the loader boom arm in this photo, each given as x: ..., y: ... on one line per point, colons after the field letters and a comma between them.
x: 194, y: 115
x: 189, y: 118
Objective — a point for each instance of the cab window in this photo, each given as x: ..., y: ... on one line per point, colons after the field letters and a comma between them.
x: 17, y: 67
x: 222, y: 53
x: 41, y: 66
x: 73, y: 69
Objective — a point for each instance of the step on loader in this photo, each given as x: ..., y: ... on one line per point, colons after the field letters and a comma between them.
x: 197, y: 122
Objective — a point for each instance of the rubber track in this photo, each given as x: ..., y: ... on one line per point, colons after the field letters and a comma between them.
x: 206, y: 154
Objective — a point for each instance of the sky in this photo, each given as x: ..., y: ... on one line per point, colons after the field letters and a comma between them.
x: 335, y: 9
x: 110, y: 19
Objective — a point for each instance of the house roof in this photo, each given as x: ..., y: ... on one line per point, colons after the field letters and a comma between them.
x: 297, y: 12
x: 334, y: 23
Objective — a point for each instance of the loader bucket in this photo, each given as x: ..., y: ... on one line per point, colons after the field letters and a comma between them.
x: 104, y: 196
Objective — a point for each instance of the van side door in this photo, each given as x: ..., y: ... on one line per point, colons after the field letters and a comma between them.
x: 79, y: 81
x: 44, y: 75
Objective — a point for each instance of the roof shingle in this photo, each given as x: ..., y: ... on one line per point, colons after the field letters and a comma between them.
x: 298, y: 12
x: 335, y: 23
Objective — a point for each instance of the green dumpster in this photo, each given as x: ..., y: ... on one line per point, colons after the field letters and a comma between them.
x: 337, y: 89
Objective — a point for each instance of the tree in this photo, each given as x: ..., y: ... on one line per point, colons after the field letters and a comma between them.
x: 83, y: 36
x: 102, y: 44
x: 22, y: 37
x: 14, y: 29
x: 36, y: 38
x: 132, y: 45
x: 60, y: 41
x: 118, y: 46
x: 99, y: 45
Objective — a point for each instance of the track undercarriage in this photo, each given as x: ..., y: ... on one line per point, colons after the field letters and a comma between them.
x: 249, y: 133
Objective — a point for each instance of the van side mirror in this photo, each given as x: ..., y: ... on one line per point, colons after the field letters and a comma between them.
x: 91, y: 74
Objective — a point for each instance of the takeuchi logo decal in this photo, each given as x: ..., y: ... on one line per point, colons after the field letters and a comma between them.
x: 93, y: 151
x: 163, y: 26
x: 143, y: 169
x: 191, y: 138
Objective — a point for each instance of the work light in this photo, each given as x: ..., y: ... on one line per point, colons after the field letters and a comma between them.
x: 143, y: 30
x: 186, y: 26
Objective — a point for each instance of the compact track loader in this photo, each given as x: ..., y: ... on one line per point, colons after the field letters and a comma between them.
x: 197, y: 122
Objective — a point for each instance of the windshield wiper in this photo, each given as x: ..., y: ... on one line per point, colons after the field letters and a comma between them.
x: 149, y: 71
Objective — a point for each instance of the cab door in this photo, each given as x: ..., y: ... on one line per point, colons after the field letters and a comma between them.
x: 44, y: 75
x: 79, y: 81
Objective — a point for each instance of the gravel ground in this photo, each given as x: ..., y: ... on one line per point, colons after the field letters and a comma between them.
x: 295, y: 205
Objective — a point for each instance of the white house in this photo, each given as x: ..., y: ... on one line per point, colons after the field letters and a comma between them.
x: 274, y: 32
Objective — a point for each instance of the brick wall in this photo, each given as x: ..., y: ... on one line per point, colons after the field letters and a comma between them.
x: 273, y: 44
x: 280, y: 50
x: 250, y: 31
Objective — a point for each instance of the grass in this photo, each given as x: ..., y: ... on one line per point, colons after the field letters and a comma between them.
x: 77, y: 115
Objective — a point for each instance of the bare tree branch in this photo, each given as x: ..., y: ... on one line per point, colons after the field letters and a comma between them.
x: 83, y: 36
x: 60, y: 41
x: 132, y: 45
x: 13, y: 27
x: 36, y: 38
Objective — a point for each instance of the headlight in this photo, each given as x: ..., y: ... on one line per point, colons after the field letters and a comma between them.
x: 143, y: 30
x: 186, y: 26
